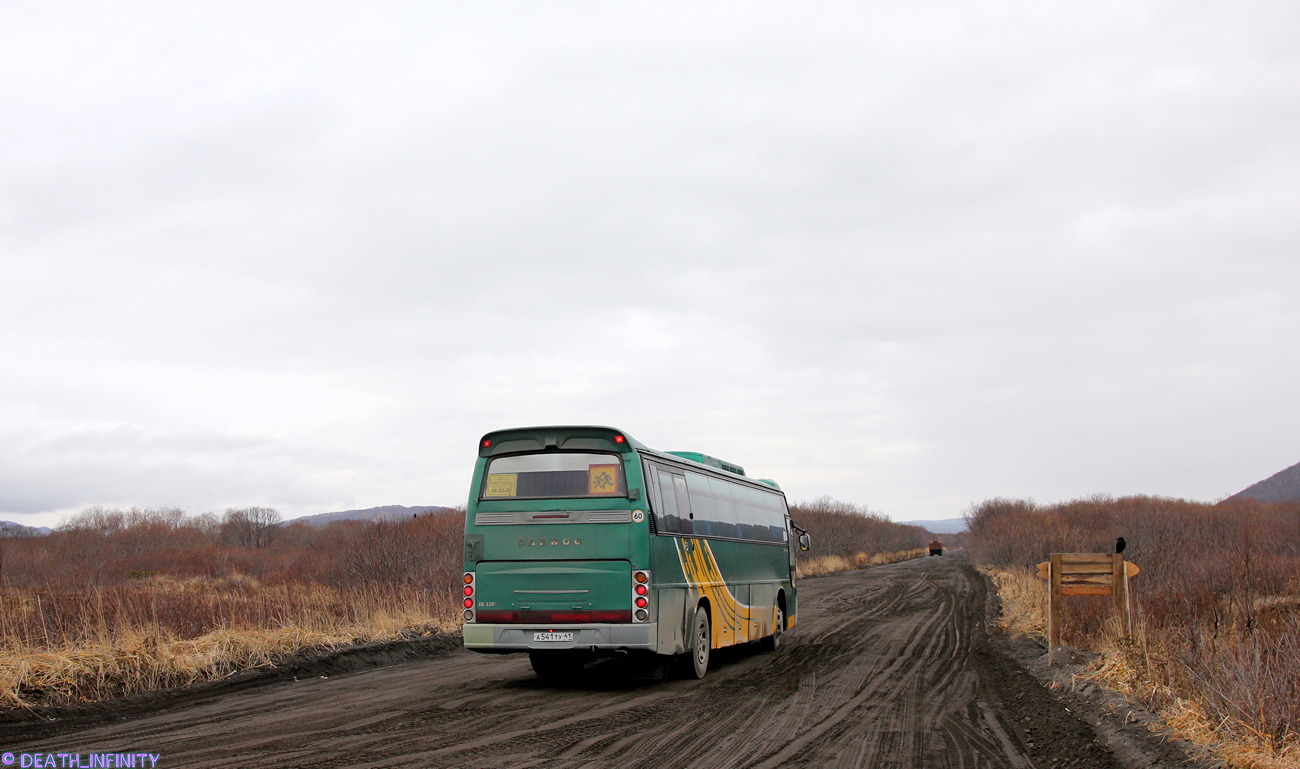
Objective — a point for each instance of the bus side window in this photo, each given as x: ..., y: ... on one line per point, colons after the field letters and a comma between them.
x: 746, y: 513
x: 683, y: 505
x: 763, y: 517
x: 651, y: 474
x: 784, y: 512
x: 724, y: 511
x: 701, y: 503
x: 779, y: 532
x: 668, y: 519
x: 772, y: 517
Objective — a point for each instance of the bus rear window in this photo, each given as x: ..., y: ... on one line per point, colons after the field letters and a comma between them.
x: 554, y: 474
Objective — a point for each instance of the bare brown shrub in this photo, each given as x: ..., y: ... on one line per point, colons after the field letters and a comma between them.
x: 845, y: 529
x: 117, y: 601
x: 845, y: 536
x: 1217, y: 604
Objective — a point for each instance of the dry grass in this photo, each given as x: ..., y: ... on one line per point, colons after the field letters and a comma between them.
x: 828, y: 564
x: 1148, y: 668
x: 120, y: 602
x: 1024, y: 601
x: 95, y: 644
x: 1151, y: 667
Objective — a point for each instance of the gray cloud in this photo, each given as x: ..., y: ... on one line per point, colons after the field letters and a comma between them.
x: 303, y: 256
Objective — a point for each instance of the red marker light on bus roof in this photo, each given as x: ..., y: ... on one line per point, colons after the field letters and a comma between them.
x: 487, y: 444
x: 620, y: 439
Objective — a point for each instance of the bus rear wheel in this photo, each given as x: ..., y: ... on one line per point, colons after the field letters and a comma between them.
x: 557, y: 664
x: 701, y: 643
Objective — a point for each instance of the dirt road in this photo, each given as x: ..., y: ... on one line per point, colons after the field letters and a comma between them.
x: 889, y: 667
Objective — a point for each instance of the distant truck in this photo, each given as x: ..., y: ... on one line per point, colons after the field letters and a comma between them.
x: 936, y: 547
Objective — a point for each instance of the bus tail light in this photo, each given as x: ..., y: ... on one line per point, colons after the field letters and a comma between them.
x: 640, y: 596
x: 469, y: 596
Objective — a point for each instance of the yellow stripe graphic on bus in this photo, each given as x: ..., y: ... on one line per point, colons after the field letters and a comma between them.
x: 731, y: 619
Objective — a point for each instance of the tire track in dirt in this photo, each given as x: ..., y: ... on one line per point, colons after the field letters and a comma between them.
x: 889, y: 667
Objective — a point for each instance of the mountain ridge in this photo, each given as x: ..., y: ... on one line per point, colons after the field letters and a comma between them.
x: 381, y: 513
x: 940, y: 526
x: 11, y: 529
x: 1282, y: 486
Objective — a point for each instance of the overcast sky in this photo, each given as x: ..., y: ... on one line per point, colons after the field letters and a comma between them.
x: 303, y: 255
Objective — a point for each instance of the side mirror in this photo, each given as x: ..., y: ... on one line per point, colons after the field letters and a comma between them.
x: 804, y: 541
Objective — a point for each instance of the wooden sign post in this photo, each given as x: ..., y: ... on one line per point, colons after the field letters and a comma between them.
x: 1103, y: 574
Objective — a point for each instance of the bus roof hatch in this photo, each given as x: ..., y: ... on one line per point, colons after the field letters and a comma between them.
x: 705, y: 459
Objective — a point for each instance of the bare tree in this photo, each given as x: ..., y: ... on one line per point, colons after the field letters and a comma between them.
x: 386, y: 551
x: 99, y: 520
x: 250, y: 526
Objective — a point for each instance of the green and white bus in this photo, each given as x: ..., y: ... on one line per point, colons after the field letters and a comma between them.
x: 581, y: 542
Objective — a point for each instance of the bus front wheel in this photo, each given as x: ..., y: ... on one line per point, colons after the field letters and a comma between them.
x: 701, y: 643
x: 773, y: 642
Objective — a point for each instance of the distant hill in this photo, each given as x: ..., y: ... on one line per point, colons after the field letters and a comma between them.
x: 942, y: 526
x: 11, y: 529
x: 1280, y: 487
x: 385, y: 513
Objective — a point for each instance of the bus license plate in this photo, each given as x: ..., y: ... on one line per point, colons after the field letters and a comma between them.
x: 552, y: 636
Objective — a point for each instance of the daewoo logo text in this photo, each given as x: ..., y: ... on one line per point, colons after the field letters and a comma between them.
x: 550, y: 542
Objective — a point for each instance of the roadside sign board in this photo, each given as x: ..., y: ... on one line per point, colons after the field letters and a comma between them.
x: 1100, y: 574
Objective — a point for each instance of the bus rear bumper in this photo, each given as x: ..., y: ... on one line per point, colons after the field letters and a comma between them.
x: 521, y: 638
